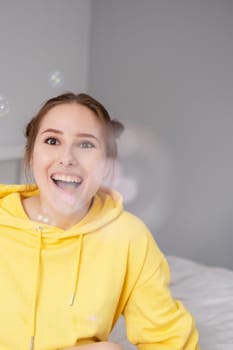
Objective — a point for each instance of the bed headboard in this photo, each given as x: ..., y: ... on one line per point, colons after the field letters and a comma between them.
x: 11, y: 169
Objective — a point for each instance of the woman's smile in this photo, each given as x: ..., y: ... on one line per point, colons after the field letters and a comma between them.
x: 67, y: 182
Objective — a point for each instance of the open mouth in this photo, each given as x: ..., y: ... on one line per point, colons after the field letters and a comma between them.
x: 67, y: 183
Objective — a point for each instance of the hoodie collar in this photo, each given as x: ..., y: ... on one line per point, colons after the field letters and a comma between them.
x: 106, y: 206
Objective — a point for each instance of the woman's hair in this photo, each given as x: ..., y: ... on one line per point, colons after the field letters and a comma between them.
x: 112, y: 128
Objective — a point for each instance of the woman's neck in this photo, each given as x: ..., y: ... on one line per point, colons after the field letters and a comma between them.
x: 37, y: 211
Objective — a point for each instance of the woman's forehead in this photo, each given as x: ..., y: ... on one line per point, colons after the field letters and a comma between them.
x: 74, y: 115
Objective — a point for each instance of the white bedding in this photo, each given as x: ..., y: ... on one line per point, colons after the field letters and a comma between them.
x: 208, y: 293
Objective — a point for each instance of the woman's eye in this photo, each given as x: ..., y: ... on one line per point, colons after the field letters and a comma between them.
x: 51, y: 141
x: 86, y: 144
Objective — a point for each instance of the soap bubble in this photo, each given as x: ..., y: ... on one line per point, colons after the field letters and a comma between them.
x: 145, y: 174
x: 56, y: 79
x: 43, y: 218
x: 69, y: 200
x: 4, y: 106
x: 127, y: 185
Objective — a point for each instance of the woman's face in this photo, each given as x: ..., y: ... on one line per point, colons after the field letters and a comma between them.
x: 69, y: 159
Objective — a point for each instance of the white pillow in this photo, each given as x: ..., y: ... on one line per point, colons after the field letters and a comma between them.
x: 208, y: 293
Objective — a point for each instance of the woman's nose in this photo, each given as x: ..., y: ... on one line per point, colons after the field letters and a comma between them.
x: 68, y: 158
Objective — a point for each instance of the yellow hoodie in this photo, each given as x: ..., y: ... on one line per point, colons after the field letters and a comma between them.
x: 61, y: 288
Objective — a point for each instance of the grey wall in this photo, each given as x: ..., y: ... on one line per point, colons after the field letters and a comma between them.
x: 38, y: 38
x: 165, y: 67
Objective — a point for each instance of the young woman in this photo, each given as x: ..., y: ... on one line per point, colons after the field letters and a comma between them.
x: 71, y: 259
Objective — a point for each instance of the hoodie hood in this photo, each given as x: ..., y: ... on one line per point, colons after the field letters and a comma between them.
x: 106, y: 206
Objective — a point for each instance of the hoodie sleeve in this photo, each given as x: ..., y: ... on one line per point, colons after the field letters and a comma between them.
x: 154, y: 320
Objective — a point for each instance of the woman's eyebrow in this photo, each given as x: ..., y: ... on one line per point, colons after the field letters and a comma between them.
x: 88, y: 136
x: 52, y: 130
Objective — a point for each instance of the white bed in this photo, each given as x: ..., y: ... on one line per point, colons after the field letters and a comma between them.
x: 208, y: 293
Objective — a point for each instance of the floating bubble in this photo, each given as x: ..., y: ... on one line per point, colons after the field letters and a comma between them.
x: 129, y: 188
x: 127, y: 185
x: 4, y: 106
x: 43, y: 218
x: 56, y: 79
x: 70, y: 201
x: 145, y: 176
x: 92, y: 318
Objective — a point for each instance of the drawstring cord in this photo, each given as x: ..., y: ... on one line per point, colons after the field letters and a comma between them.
x: 77, y: 270
x: 37, y: 279
x: 36, y: 287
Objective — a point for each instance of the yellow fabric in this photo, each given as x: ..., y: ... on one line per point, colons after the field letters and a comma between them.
x: 61, y: 288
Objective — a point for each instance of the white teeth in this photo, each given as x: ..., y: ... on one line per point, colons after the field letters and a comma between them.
x: 66, y: 178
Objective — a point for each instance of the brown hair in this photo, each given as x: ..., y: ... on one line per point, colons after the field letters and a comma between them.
x: 112, y: 128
